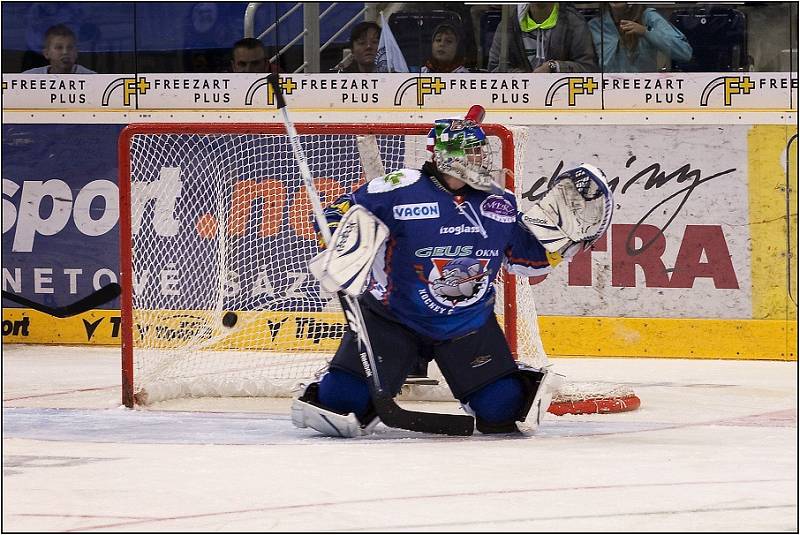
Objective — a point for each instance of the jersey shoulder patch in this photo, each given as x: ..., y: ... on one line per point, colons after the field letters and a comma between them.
x: 501, y: 208
x: 398, y: 179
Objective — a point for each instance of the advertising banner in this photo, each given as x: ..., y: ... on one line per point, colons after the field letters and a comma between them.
x: 60, y: 211
x: 399, y: 91
x: 679, y: 241
x: 678, y: 245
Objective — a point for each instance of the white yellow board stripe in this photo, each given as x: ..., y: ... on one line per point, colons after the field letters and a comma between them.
x: 561, y: 336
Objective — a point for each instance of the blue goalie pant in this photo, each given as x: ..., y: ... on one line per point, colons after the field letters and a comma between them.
x: 468, y: 363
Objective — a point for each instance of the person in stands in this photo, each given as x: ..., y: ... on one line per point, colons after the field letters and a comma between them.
x: 448, y: 50
x: 250, y: 56
x: 61, y: 50
x: 545, y: 37
x: 364, y: 39
x: 629, y: 37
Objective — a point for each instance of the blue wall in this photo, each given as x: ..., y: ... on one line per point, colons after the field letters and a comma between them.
x: 153, y: 26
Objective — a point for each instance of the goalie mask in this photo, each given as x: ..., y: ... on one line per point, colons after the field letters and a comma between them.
x: 460, y: 149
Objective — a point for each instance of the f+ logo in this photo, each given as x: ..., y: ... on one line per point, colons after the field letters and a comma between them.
x: 130, y: 87
x: 425, y: 85
x: 732, y: 85
x: 576, y: 85
x: 287, y: 87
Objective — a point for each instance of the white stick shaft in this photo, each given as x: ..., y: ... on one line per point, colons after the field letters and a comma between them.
x: 305, y: 172
x: 322, y: 222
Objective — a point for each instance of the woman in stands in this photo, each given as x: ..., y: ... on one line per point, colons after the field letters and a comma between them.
x: 628, y: 38
x: 448, y: 50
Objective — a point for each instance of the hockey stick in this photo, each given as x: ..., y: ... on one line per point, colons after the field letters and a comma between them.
x: 93, y: 300
x: 386, y: 408
x: 370, y: 156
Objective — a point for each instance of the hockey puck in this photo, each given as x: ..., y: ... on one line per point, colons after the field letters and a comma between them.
x: 229, y: 319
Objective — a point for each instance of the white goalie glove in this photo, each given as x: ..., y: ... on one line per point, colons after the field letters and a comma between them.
x: 573, y: 213
x: 346, y: 263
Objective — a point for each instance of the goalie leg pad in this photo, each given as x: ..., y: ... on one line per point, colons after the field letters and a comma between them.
x: 536, y: 389
x: 496, y: 405
x: 573, y: 213
x: 542, y: 384
x: 307, y: 413
x: 345, y: 264
x: 344, y: 393
x: 329, y: 423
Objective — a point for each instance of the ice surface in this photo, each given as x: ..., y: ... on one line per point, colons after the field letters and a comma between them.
x: 713, y: 448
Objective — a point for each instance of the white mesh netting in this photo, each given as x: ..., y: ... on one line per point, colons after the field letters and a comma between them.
x: 221, y: 223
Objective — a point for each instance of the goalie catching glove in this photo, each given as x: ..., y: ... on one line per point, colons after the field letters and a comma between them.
x: 572, y: 214
x: 346, y: 263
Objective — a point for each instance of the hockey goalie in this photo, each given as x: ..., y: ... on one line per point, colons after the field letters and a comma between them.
x: 420, y: 249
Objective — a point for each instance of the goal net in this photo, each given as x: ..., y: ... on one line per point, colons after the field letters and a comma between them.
x: 216, y: 234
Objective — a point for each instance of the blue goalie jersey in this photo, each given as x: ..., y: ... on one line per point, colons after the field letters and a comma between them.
x: 435, y: 273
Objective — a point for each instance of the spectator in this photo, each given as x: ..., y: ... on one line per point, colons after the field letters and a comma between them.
x: 200, y: 63
x: 448, y: 50
x: 250, y: 56
x: 61, y: 50
x: 629, y: 37
x: 364, y: 39
x: 545, y: 37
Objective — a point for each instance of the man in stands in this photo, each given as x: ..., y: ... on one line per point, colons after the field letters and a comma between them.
x: 250, y: 56
x: 426, y: 281
x: 545, y: 37
x: 61, y: 50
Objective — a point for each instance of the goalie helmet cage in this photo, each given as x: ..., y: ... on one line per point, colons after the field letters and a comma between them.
x: 214, y: 223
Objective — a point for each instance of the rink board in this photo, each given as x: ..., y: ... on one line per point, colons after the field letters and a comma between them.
x: 700, y: 260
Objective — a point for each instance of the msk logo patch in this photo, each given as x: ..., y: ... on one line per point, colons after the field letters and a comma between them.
x: 499, y: 209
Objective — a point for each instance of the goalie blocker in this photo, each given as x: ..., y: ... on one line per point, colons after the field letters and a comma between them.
x: 345, y: 264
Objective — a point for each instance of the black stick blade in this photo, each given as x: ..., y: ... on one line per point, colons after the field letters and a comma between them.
x: 393, y: 415
x: 91, y: 301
